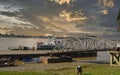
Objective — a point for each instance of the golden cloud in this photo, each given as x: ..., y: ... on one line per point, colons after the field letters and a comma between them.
x: 58, y: 24
x: 105, y: 11
x: 66, y: 27
x: 44, y: 18
x: 73, y: 16
x: 108, y: 3
x: 5, y: 30
x: 63, y: 1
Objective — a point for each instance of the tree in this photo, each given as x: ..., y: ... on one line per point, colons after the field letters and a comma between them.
x: 118, y: 19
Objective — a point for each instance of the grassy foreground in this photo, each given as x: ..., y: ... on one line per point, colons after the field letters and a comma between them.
x: 93, y: 69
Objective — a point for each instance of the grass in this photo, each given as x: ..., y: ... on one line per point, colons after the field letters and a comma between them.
x: 101, y: 70
x: 89, y: 69
x: 25, y: 73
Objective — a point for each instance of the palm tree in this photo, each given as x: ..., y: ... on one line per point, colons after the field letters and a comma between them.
x: 118, y: 19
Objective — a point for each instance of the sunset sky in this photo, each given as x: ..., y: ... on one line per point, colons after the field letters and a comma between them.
x: 42, y: 17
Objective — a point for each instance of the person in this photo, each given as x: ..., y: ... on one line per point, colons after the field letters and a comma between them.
x: 33, y: 48
x: 79, y: 70
x: 20, y: 48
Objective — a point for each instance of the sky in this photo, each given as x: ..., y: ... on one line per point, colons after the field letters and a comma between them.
x: 43, y: 17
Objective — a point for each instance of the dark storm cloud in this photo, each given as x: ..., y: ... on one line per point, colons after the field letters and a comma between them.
x: 97, y: 21
x: 36, y: 8
x: 8, y: 13
x: 94, y: 16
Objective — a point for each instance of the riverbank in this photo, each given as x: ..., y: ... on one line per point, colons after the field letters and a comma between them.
x: 42, y: 67
x: 90, y: 67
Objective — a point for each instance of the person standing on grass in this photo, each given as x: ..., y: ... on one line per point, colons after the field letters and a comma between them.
x: 79, y: 70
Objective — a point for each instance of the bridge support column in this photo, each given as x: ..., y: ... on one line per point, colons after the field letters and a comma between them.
x: 114, y: 58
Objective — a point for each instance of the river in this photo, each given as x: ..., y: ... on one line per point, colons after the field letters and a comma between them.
x: 12, y: 42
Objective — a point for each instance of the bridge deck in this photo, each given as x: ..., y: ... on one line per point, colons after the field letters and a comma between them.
x: 23, y: 52
x: 37, y: 53
x: 20, y: 52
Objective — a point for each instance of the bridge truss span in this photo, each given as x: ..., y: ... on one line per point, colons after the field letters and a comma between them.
x: 84, y: 43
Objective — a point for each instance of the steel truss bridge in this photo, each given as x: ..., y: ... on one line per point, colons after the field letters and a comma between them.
x: 81, y: 42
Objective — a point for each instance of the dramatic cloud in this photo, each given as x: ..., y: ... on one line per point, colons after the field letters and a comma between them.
x: 63, y: 1
x: 5, y: 30
x: 58, y: 24
x: 13, y: 20
x: 9, y: 8
x: 104, y: 5
x: 10, y: 19
x: 42, y: 17
x: 108, y: 3
x: 104, y: 11
x: 73, y: 16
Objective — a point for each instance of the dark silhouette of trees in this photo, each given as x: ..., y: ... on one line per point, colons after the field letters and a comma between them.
x: 118, y: 19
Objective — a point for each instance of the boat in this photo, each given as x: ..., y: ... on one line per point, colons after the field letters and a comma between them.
x: 41, y: 46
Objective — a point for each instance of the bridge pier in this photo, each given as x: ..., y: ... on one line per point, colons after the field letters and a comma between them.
x: 114, y: 58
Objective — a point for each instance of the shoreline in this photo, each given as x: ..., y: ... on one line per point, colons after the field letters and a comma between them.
x: 49, y: 66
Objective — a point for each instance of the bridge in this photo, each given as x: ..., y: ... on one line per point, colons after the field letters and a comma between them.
x: 73, y: 44
x: 88, y: 43
x: 81, y: 42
